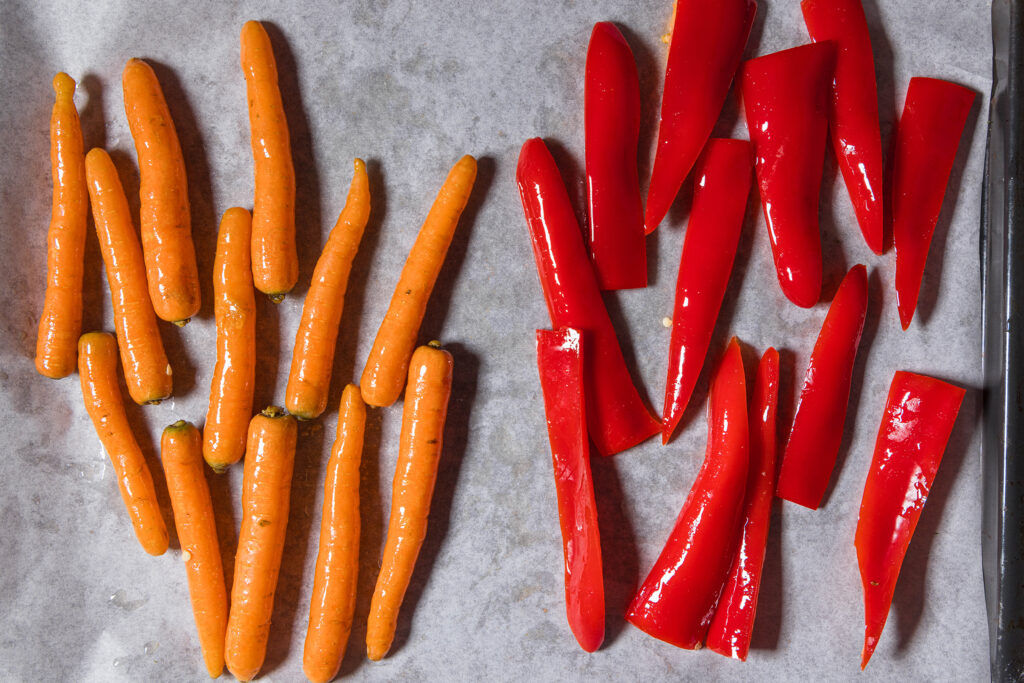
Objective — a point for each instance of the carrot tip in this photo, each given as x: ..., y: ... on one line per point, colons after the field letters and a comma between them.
x: 276, y: 298
x: 434, y: 344
x: 181, y: 323
x: 218, y: 469
x: 153, y: 402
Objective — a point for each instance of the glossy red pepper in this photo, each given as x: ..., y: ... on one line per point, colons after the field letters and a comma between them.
x: 785, y: 96
x: 716, y: 217
x: 734, y: 618
x: 611, y: 97
x: 919, y: 417
x: 706, y: 47
x: 813, y: 444
x: 616, y: 415
x: 924, y: 149
x: 677, y: 600
x: 560, y: 362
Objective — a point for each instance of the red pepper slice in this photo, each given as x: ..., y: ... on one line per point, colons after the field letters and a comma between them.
x: 616, y: 415
x: 677, y: 600
x: 924, y: 148
x: 785, y: 96
x: 560, y: 362
x: 918, y: 420
x: 716, y: 217
x: 734, y: 617
x: 707, y: 45
x: 611, y: 97
x: 810, y: 454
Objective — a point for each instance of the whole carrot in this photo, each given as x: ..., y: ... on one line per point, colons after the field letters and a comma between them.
x: 61, y: 321
x: 337, y: 563
x: 165, y: 223
x: 384, y: 374
x: 97, y: 370
x: 234, y: 309
x: 197, y: 532
x: 266, y: 485
x: 275, y: 264
x: 426, y: 406
x: 145, y: 365
x: 310, y: 375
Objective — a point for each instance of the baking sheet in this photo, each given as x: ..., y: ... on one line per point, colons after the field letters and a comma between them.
x: 410, y: 86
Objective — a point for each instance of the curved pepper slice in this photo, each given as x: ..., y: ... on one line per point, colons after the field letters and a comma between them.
x: 716, y: 217
x: 813, y: 444
x: 707, y: 45
x: 616, y: 416
x: 924, y: 148
x: 919, y: 417
x: 785, y: 96
x: 677, y: 600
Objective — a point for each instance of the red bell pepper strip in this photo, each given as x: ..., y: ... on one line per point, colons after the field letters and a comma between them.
x: 719, y: 202
x: 918, y: 420
x: 611, y: 97
x: 813, y: 444
x: 924, y: 148
x: 560, y: 362
x: 734, y: 617
x: 705, y: 50
x: 616, y: 416
x: 853, y: 111
x: 677, y: 600
x: 785, y: 96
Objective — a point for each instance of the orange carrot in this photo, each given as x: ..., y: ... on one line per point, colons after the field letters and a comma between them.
x: 164, y: 218
x: 145, y: 365
x: 275, y: 264
x: 197, y: 531
x: 426, y: 406
x: 337, y: 563
x: 234, y: 309
x: 266, y: 485
x: 313, y: 356
x: 384, y: 374
x: 97, y: 370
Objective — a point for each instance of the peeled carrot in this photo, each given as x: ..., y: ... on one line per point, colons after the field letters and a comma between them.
x: 164, y: 218
x: 275, y: 263
x: 197, y: 531
x: 234, y: 309
x: 426, y: 406
x: 145, y: 365
x: 384, y: 374
x: 266, y: 485
x: 337, y: 563
x: 313, y: 356
x: 97, y: 370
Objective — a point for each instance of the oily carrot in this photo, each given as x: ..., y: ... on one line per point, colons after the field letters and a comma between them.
x: 97, y: 370
x: 337, y: 563
x: 145, y: 365
x: 234, y: 309
x: 423, y: 416
x: 275, y: 263
x: 164, y: 218
x: 313, y: 355
x: 384, y: 374
x: 194, y: 520
x: 266, y: 485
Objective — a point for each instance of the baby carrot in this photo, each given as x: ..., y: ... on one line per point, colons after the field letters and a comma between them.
x: 97, y: 370
x: 145, y: 365
x: 197, y: 532
x: 275, y: 264
x: 426, y: 406
x: 385, y: 370
x: 310, y: 375
x: 234, y: 309
x: 61, y: 321
x: 164, y: 219
x: 266, y: 485
x: 337, y: 563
